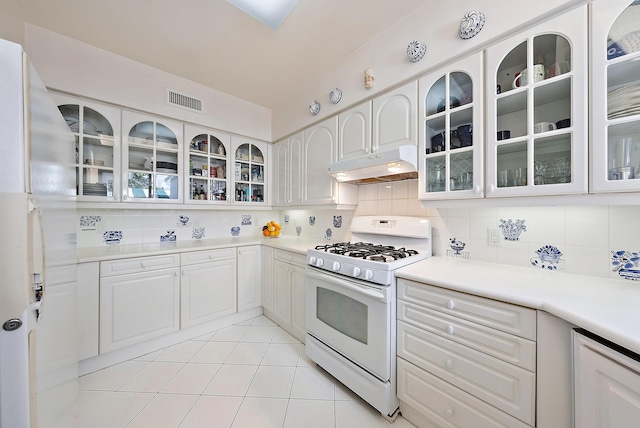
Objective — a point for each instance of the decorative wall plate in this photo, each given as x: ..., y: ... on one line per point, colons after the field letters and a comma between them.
x: 471, y: 24
x: 335, y: 96
x: 314, y: 108
x: 416, y: 50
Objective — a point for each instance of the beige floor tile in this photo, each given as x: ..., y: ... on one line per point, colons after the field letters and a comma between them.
x: 150, y: 356
x: 153, y: 377
x: 213, y: 352
x: 247, y: 353
x: 262, y: 320
x: 400, y: 422
x: 281, y: 336
x: 282, y: 354
x: 310, y: 414
x: 111, y: 378
x: 259, y: 333
x: 343, y: 393
x: 272, y: 382
x: 261, y: 413
x: 164, y: 411
x: 358, y: 414
x: 231, y: 380
x: 313, y: 383
x: 303, y: 360
x: 230, y: 334
x: 117, y: 410
x: 88, y: 400
x: 180, y: 353
x: 212, y: 411
x: 193, y: 378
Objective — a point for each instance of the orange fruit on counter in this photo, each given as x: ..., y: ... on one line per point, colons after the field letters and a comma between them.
x: 266, y: 232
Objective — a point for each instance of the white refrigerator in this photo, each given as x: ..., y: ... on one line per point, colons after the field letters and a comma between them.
x: 38, y: 286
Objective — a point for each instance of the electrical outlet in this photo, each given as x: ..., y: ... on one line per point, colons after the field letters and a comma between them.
x: 493, y: 237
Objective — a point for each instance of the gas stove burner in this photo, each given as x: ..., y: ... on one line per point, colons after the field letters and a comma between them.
x: 367, y: 251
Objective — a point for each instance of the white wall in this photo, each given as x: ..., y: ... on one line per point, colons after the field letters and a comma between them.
x: 436, y: 24
x: 11, y: 22
x: 75, y: 67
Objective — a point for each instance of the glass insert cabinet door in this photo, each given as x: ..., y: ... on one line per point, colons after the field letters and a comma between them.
x: 451, y: 142
x: 97, y: 150
x: 616, y: 96
x: 208, y: 169
x: 537, y: 109
x: 151, y: 159
x: 249, y: 171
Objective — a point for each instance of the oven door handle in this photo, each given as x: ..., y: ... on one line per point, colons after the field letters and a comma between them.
x: 342, y: 283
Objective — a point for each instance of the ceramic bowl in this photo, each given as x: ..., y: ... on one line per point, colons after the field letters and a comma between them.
x: 471, y: 24
x: 314, y: 108
x: 416, y: 50
x: 335, y: 96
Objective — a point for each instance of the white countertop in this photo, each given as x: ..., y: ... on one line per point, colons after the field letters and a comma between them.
x: 289, y: 243
x: 609, y: 308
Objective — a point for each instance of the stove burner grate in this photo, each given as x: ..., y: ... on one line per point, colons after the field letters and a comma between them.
x: 368, y: 251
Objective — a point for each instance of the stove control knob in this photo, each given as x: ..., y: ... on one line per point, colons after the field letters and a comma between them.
x: 312, y: 260
x: 336, y: 266
x: 356, y: 271
x: 368, y: 274
x: 319, y: 263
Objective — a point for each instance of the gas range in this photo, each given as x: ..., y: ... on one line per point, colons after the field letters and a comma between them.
x: 380, y: 246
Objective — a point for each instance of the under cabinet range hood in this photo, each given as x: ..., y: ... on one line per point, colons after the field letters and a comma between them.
x: 391, y: 165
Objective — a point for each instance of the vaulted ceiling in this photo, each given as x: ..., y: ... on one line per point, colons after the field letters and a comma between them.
x: 215, y: 44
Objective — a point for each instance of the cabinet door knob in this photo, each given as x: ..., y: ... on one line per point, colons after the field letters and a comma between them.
x: 450, y: 329
x: 477, y: 189
x: 492, y: 188
x: 451, y: 304
x: 142, y: 265
x: 449, y: 412
x: 124, y: 197
x: 448, y: 364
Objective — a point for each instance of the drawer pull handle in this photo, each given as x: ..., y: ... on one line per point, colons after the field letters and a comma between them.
x: 449, y: 413
x: 450, y: 330
x: 142, y: 265
x: 451, y: 304
x: 210, y: 256
x: 448, y: 364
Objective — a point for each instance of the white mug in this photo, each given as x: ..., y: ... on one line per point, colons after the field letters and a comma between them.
x: 543, y: 127
x: 522, y: 78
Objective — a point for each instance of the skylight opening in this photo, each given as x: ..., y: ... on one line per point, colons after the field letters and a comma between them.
x: 270, y: 12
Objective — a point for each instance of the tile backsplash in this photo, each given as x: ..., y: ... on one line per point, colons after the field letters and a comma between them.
x: 602, y: 241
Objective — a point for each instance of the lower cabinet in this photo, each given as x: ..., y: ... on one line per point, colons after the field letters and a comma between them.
x: 249, y: 281
x: 88, y: 309
x: 139, y: 300
x: 266, y: 259
x: 208, y: 286
x: 463, y: 360
x: 287, y: 291
x: 607, y: 384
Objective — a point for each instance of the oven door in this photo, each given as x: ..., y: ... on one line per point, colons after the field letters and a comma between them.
x: 352, y: 317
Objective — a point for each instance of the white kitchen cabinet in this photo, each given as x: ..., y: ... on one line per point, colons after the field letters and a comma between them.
x: 287, y: 165
x: 88, y: 309
x: 615, y: 79
x: 208, y: 286
x: 249, y: 158
x: 388, y: 121
x: 451, y: 135
x: 151, y: 159
x: 207, y: 156
x: 537, y: 91
x: 288, y: 309
x: 139, y: 300
x: 266, y: 259
x: 464, y: 360
x: 607, y: 383
x: 96, y: 128
x: 321, y: 149
x: 249, y: 277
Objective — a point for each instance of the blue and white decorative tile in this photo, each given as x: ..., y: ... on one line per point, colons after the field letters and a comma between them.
x: 312, y: 220
x: 511, y: 230
x: 286, y: 219
x: 626, y: 264
x: 298, y: 230
x: 327, y: 234
x: 90, y: 222
x: 112, y: 237
x: 170, y: 236
x: 456, y: 249
x: 548, y: 258
x: 197, y: 232
x: 246, y: 220
x: 337, y: 221
x: 183, y: 220
x: 235, y: 231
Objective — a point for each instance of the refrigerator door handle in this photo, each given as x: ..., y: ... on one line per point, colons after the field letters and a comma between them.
x: 36, y: 258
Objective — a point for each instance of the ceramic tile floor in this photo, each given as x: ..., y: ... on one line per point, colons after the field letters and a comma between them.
x: 249, y: 375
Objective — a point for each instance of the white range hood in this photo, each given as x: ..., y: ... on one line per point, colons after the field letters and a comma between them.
x: 389, y: 165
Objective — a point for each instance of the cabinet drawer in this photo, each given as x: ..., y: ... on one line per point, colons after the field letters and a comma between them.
x: 503, y: 385
x: 505, y: 346
x: 289, y: 257
x: 491, y: 313
x: 196, y: 257
x: 445, y: 405
x: 140, y: 264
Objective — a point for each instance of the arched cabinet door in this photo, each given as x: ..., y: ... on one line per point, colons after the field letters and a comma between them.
x: 151, y: 159
x: 615, y: 65
x: 207, y: 155
x: 537, y: 110
x: 249, y: 158
x: 451, y: 143
x: 96, y: 128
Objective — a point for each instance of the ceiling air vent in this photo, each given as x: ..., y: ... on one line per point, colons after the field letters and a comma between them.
x: 186, y: 102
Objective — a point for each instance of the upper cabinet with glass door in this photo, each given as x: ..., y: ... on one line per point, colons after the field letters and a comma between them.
x: 450, y: 132
x: 249, y: 174
x: 207, y: 155
x: 151, y: 159
x: 537, y: 109
x: 615, y: 65
x: 96, y: 128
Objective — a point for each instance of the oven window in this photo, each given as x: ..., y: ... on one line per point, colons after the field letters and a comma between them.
x: 342, y: 313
